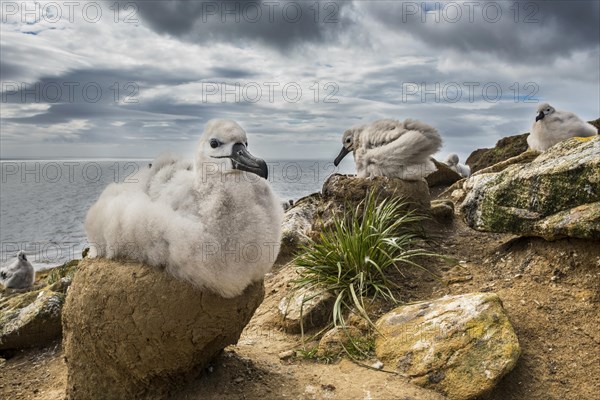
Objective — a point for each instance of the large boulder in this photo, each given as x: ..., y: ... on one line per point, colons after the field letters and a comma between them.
x: 32, y: 318
x: 296, y: 226
x: 505, y: 148
x: 342, y: 191
x: 459, y: 345
x: 134, y: 332
x: 554, y: 196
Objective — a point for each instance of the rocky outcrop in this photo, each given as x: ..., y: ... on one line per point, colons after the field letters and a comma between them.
x: 554, y: 196
x: 32, y: 318
x: 296, y: 227
x: 524, y: 158
x: 459, y: 345
x: 505, y: 148
x: 342, y: 191
x: 134, y: 332
x: 443, y: 176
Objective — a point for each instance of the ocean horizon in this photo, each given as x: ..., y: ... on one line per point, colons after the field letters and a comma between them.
x: 43, y: 203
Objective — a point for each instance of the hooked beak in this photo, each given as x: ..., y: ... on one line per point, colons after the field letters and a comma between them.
x: 244, y: 161
x: 340, y: 156
x: 541, y: 115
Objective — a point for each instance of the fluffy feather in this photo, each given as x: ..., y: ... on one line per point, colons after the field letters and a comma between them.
x: 18, y: 275
x: 206, y: 222
x: 462, y: 169
x: 553, y: 126
x: 392, y: 148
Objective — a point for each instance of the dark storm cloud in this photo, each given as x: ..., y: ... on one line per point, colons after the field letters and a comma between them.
x: 526, y: 31
x: 8, y: 70
x: 277, y: 23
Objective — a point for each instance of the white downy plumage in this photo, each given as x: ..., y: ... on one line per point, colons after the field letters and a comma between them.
x: 552, y: 126
x: 396, y: 149
x: 214, y: 222
x: 18, y: 275
x: 462, y: 169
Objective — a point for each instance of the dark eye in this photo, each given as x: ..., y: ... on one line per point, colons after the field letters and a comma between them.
x: 348, y: 140
x: 246, y: 144
x: 548, y: 110
x: 214, y: 143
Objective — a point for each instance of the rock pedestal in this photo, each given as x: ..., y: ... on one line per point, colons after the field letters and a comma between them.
x: 134, y: 332
x: 343, y: 191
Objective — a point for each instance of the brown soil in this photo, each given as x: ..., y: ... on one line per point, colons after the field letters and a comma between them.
x: 551, y: 291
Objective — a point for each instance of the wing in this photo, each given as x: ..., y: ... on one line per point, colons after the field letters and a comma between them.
x: 566, y: 124
x: 4, y: 275
x: 164, y: 170
x: 412, y: 147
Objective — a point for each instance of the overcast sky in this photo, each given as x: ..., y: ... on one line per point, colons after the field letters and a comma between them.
x: 133, y: 79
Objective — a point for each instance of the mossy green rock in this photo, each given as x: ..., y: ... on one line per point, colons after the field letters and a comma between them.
x: 459, y: 345
x: 556, y: 195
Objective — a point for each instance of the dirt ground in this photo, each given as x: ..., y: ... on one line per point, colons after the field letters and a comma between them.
x: 551, y: 291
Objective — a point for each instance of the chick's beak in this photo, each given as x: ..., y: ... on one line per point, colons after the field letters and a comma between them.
x: 540, y: 116
x: 340, y: 156
x: 244, y: 161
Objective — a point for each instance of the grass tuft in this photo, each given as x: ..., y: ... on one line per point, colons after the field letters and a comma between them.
x: 354, y: 257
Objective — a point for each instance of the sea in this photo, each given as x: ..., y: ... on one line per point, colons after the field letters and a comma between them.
x: 43, y: 203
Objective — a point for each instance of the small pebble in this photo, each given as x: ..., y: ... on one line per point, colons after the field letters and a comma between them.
x: 239, y: 379
x: 284, y: 355
x: 377, y: 365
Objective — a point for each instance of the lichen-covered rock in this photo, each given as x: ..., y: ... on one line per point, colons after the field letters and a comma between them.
x: 554, y: 196
x: 581, y: 221
x: 32, y: 318
x: 135, y: 332
x: 296, y: 227
x: 458, y: 345
x: 342, y: 191
x: 304, y: 309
